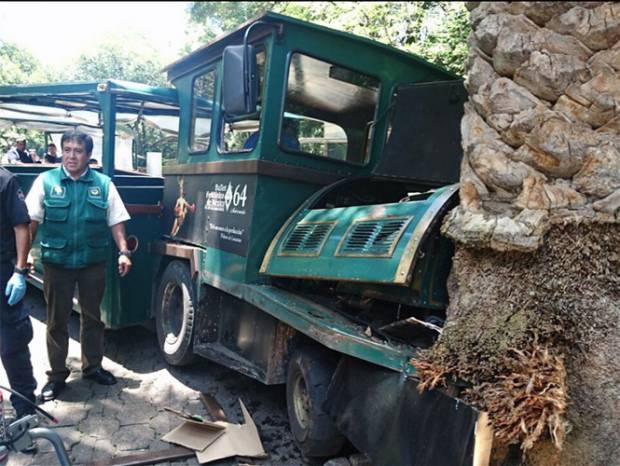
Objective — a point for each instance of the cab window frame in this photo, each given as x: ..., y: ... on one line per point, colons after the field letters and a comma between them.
x: 190, y: 149
x: 367, y: 147
x: 260, y: 46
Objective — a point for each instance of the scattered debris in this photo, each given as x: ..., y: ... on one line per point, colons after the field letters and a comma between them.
x: 194, y: 434
x: 217, y: 440
x: 150, y: 457
x: 213, y: 407
x: 186, y: 416
x: 412, y: 321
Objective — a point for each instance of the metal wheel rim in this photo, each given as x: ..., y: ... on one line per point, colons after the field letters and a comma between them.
x: 172, y: 305
x: 301, y: 402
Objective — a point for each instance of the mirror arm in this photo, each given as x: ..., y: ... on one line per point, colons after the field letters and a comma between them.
x: 246, y: 59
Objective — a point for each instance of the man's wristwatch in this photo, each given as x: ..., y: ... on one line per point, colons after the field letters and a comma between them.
x: 24, y: 271
x: 125, y: 253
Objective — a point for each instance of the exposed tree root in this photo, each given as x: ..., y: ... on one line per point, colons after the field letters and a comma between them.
x: 528, y: 399
x: 520, y: 330
x: 531, y: 395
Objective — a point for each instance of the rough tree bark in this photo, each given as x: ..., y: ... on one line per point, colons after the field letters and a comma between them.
x: 533, y: 324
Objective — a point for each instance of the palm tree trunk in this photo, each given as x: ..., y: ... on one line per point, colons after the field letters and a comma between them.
x: 534, y: 319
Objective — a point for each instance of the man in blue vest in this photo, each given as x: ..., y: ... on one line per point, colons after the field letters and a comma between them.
x: 73, y: 208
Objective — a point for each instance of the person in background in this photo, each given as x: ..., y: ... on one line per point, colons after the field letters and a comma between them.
x: 18, y: 154
x: 34, y: 156
x: 51, y: 155
x: 15, y: 325
x: 289, y: 140
x: 74, y: 208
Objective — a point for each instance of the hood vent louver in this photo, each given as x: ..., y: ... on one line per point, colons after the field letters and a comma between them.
x: 374, y: 238
x: 307, y: 239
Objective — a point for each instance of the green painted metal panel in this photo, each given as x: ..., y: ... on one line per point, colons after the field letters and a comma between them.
x: 330, y: 328
x: 276, y: 200
x: 234, y: 217
x: 321, y: 323
x: 77, y: 88
x: 135, y: 289
x: 107, y: 101
x: 375, y: 244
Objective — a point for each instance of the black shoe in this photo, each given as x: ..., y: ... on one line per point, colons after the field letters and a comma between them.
x: 51, y: 390
x: 101, y: 376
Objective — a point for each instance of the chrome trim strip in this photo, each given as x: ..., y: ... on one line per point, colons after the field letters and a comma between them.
x: 405, y: 267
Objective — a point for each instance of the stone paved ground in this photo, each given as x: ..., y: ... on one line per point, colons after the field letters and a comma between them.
x: 98, y: 423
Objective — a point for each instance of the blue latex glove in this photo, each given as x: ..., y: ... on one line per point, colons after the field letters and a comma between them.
x: 15, y: 288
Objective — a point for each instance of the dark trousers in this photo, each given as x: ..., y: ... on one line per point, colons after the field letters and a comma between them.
x: 15, y: 334
x: 59, y: 286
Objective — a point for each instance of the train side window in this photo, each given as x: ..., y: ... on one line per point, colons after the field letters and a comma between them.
x: 203, y: 93
x: 328, y: 111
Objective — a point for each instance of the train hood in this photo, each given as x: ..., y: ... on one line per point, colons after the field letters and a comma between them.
x: 370, y: 243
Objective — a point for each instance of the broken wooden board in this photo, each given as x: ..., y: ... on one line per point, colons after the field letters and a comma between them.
x: 213, y: 407
x: 150, y: 457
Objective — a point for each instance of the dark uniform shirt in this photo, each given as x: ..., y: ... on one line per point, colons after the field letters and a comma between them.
x: 49, y: 158
x: 24, y: 157
x: 13, y: 211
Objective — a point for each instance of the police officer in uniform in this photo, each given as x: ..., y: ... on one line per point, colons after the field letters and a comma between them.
x: 15, y: 325
x: 73, y: 208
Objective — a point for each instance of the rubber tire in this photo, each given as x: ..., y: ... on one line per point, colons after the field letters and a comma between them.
x: 178, y: 350
x: 316, y: 436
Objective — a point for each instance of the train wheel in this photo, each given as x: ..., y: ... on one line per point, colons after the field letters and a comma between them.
x: 309, y: 372
x: 175, y: 306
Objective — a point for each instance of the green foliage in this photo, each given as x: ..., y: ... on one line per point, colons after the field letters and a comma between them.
x: 114, y: 60
x: 219, y: 17
x: 148, y: 138
x: 18, y: 66
x: 436, y: 31
x: 446, y: 45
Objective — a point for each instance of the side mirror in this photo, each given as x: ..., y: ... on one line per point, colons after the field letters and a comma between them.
x: 240, y: 80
